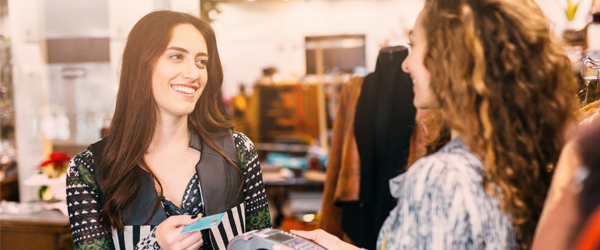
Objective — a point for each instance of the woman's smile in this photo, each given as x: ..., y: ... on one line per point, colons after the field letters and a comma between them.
x: 187, y: 90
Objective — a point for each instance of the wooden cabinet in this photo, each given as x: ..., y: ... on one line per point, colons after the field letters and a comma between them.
x: 9, y: 188
x: 49, y: 229
x: 283, y: 110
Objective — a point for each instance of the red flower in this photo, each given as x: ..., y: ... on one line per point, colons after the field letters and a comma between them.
x: 46, y: 163
x: 57, y: 160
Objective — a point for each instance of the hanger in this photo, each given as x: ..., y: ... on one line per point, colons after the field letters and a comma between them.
x: 388, y: 58
x: 591, y: 63
x: 390, y: 51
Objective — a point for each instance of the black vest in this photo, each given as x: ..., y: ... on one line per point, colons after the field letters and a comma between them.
x: 220, y: 186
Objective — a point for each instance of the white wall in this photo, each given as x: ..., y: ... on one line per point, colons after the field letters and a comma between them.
x: 30, y: 83
x: 255, y: 35
x: 555, y: 12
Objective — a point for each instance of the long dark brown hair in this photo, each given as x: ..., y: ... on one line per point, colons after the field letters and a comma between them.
x: 505, y: 85
x: 134, y: 120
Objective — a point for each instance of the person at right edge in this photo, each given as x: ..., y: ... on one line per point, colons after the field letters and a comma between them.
x: 505, y: 90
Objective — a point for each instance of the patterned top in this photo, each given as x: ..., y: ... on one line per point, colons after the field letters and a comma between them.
x: 84, y: 204
x: 442, y: 205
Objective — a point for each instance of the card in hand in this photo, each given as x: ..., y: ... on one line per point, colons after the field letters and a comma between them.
x: 204, y: 223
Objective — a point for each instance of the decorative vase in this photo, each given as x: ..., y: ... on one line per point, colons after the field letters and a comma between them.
x: 58, y: 186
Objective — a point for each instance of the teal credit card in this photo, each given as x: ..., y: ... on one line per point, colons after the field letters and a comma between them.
x: 204, y: 223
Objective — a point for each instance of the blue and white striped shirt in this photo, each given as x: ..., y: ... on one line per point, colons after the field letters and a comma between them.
x: 442, y: 205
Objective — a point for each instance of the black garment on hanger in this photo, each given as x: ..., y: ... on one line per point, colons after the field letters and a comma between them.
x: 383, y: 125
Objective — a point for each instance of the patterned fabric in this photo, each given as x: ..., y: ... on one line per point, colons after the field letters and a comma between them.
x: 442, y: 205
x: 257, y: 210
x: 84, y: 204
x: 133, y: 234
x: 192, y: 204
x: 231, y: 225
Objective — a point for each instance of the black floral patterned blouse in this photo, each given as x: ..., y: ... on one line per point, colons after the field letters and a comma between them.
x: 85, y: 205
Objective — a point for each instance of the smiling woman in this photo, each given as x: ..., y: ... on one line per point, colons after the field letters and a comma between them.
x: 170, y: 156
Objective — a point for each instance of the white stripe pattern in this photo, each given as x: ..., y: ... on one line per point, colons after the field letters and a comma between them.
x: 236, y: 219
x: 244, y: 214
x: 218, y: 238
x: 228, y: 225
x: 145, y: 231
x: 128, y: 237
x: 115, y: 237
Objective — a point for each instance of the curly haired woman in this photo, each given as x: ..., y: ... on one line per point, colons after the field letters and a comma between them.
x: 505, y: 90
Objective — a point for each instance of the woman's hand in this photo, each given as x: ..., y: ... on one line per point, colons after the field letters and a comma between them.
x: 169, y: 237
x: 325, y: 239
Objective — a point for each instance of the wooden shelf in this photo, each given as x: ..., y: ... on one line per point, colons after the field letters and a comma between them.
x: 9, y: 188
x: 49, y: 229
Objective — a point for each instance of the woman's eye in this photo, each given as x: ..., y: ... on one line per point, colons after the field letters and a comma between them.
x: 202, y: 62
x: 176, y: 56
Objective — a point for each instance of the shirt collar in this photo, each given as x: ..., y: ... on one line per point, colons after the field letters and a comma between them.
x: 397, y: 183
x: 195, y: 140
x: 456, y: 143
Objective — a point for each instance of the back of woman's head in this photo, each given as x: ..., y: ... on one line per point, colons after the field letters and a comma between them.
x: 505, y: 85
x: 135, y: 116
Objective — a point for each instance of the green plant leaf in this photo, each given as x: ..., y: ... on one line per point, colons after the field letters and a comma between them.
x: 41, y: 192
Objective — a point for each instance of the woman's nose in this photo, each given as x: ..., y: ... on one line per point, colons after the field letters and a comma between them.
x: 405, y: 65
x: 190, y: 71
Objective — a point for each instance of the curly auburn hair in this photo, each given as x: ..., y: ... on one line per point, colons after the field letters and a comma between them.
x: 495, y: 64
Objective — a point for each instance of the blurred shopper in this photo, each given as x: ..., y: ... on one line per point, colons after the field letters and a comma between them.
x: 505, y: 90
x: 239, y: 106
x: 170, y: 156
x: 571, y: 215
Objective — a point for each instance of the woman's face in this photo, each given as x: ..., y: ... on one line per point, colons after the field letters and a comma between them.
x: 414, y: 65
x: 180, y: 74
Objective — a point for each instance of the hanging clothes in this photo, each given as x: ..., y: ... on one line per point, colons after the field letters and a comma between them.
x: 343, y: 167
x: 383, y: 125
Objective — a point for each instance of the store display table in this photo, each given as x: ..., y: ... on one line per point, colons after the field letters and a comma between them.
x: 48, y: 229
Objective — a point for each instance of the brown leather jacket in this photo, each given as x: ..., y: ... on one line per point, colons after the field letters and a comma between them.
x: 343, y: 167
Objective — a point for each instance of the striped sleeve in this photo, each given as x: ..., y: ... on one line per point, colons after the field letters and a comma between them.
x: 257, y: 210
x: 230, y: 226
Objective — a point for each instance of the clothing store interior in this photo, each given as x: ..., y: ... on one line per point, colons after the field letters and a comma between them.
x: 323, y: 107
